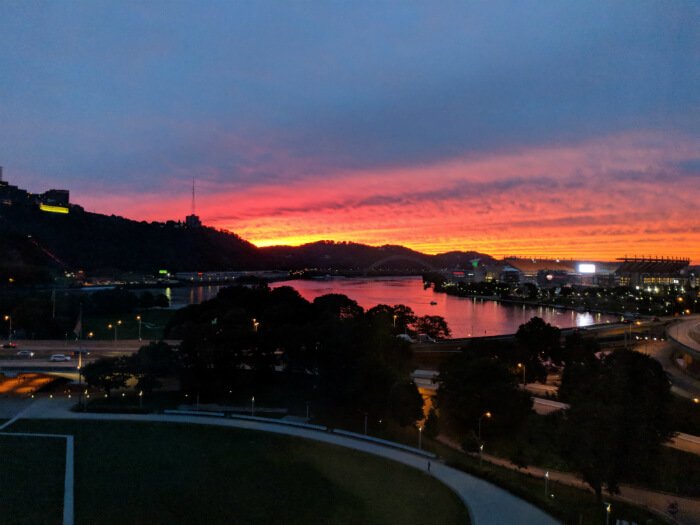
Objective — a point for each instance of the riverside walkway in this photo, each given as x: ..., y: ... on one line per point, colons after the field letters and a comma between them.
x: 487, y: 504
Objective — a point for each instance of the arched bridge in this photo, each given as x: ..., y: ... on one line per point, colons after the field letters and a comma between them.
x: 391, y: 258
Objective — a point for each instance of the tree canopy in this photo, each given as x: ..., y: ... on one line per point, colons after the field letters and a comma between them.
x: 618, y: 418
x: 471, y: 385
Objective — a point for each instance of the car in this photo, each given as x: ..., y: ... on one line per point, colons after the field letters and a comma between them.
x: 59, y: 357
x: 25, y: 353
x: 9, y: 345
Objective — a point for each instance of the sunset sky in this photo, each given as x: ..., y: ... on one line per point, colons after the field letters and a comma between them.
x: 569, y: 129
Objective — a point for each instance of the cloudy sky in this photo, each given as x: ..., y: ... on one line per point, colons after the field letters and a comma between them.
x: 532, y: 128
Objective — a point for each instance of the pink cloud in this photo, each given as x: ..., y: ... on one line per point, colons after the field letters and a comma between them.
x: 604, y: 198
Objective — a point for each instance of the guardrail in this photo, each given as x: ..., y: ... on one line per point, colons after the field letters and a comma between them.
x: 385, y: 442
x: 309, y: 426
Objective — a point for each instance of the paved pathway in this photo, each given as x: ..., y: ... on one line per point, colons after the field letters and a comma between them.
x: 689, y: 508
x: 487, y: 504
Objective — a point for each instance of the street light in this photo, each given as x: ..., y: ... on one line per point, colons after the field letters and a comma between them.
x: 255, y: 325
x: 482, y: 416
x: 608, y: 510
x: 395, y: 316
x: 546, y: 484
x: 481, y: 444
x: 420, y: 440
x: 520, y: 365
x: 140, y: 398
x: 138, y: 318
x: 252, y: 406
x: 8, y: 318
x: 115, y: 325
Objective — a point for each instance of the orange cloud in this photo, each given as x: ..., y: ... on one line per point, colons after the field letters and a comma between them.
x: 626, y: 194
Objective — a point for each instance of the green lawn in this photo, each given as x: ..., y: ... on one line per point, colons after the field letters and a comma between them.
x: 31, y: 480
x: 145, y: 473
x: 153, y: 323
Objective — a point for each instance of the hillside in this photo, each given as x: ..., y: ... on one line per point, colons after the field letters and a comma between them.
x: 327, y: 255
x: 34, y: 240
x: 94, y: 242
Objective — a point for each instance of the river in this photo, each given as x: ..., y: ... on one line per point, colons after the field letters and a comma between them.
x: 465, y: 317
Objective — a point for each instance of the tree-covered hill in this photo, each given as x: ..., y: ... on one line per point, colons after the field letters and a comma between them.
x: 90, y: 241
x: 80, y: 240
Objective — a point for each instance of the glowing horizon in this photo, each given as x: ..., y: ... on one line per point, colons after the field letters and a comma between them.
x: 527, y: 128
x: 604, y: 201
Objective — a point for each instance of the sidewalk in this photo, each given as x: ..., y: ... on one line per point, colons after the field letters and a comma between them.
x: 689, y: 508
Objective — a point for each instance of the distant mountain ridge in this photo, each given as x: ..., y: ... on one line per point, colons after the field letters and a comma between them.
x: 355, y: 256
x: 96, y: 243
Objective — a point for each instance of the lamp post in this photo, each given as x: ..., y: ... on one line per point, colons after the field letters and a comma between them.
x: 420, y: 436
x: 252, y: 406
x: 138, y: 318
x: 546, y: 484
x: 115, y: 325
x: 481, y: 443
x: 255, y: 325
x: 608, y: 510
x: 520, y: 365
x: 8, y: 318
x: 482, y: 416
x: 140, y: 398
x: 395, y: 316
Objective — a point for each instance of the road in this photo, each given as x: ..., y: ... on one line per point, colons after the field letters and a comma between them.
x: 681, y: 383
x: 487, y: 504
x: 43, y: 349
x: 687, y: 333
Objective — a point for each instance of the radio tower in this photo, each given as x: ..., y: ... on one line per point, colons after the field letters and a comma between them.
x: 193, y: 196
x: 192, y: 221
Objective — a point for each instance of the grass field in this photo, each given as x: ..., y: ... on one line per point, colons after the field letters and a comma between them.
x: 153, y: 323
x: 31, y: 480
x: 145, y: 473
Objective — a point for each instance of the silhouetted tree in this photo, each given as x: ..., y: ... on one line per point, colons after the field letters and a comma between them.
x: 405, y: 403
x: 471, y: 386
x: 433, y: 326
x: 107, y: 373
x: 618, y: 419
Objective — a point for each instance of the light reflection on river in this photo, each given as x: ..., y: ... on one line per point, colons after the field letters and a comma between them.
x: 464, y: 316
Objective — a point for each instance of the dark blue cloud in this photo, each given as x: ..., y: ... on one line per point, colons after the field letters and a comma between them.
x: 133, y: 94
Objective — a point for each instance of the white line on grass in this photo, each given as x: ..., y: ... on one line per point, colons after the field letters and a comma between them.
x: 68, y: 483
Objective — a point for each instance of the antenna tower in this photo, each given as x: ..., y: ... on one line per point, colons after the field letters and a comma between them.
x: 193, y: 196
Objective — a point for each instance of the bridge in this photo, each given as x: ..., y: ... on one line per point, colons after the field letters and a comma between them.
x: 421, y: 263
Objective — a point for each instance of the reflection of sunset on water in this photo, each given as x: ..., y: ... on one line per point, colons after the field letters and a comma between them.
x: 465, y: 316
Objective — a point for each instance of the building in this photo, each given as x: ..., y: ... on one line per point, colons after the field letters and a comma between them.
x: 653, y: 271
x: 55, y: 201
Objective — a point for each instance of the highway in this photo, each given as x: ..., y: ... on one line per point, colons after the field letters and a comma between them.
x: 687, y: 333
x: 43, y: 349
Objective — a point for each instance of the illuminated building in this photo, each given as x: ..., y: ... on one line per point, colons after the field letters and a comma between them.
x: 52, y: 201
x: 652, y: 271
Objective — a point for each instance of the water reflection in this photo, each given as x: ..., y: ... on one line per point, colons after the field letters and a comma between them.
x: 465, y: 316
